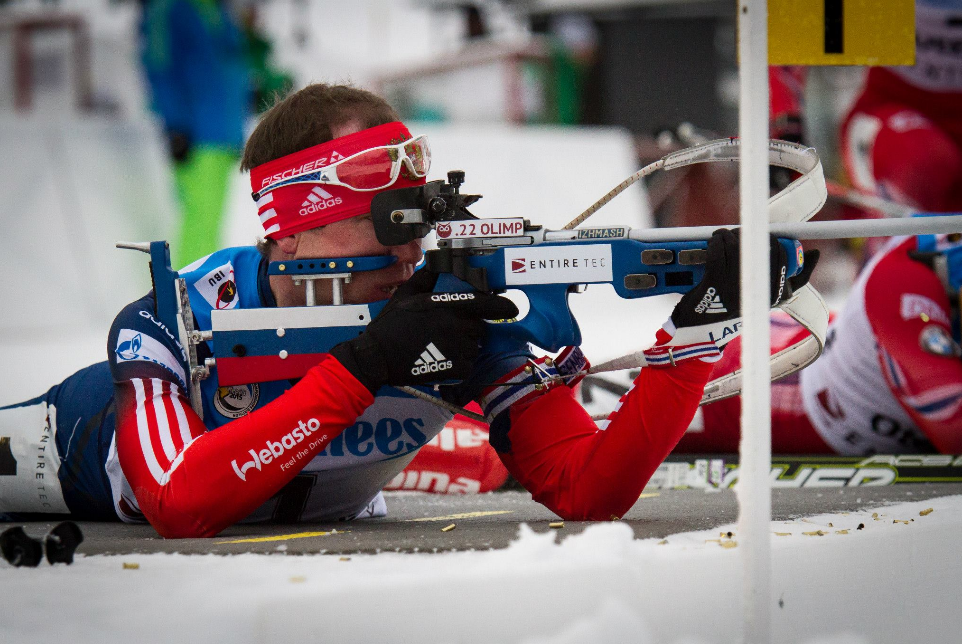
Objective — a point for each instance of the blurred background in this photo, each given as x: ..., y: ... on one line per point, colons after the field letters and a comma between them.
x: 124, y: 120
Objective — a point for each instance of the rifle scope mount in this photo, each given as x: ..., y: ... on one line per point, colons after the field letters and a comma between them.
x: 400, y: 216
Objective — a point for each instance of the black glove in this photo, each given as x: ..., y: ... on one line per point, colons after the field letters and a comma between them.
x: 422, y: 337
x: 809, y: 262
x: 717, y: 297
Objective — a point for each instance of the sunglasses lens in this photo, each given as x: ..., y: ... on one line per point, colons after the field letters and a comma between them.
x: 368, y: 170
x: 419, y: 156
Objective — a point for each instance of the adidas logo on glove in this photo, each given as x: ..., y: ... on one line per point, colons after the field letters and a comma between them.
x: 431, y: 361
x: 451, y: 297
x: 711, y: 303
x: 781, y: 285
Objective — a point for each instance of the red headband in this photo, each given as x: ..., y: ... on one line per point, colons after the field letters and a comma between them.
x: 301, y: 206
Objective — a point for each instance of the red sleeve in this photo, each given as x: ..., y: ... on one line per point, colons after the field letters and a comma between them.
x: 581, y: 472
x: 193, y: 483
x: 906, y: 303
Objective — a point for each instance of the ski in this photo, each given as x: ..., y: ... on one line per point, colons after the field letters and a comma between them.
x: 720, y: 471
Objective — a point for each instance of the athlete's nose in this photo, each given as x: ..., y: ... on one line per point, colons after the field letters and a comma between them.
x: 409, y: 253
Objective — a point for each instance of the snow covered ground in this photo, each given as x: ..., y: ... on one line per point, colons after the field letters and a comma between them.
x: 898, y: 579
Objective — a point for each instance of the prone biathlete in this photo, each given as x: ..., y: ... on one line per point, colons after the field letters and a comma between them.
x: 902, y: 138
x: 890, y: 379
x: 121, y: 440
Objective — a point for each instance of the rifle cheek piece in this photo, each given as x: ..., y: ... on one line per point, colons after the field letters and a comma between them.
x: 395, y: 231
x: 420, y: 207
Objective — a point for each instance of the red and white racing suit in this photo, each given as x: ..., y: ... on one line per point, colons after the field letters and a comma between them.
x: 187, y: 480
x: 889, y: 381
x: 185, y: 484
x: 902, y: 139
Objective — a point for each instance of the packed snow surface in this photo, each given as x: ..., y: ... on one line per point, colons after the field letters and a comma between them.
x: 897, y: 579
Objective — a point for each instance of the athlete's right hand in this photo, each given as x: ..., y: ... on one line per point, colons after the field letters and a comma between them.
x: 422, y: 337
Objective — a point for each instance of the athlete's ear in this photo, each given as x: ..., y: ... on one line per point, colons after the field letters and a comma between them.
x: 288, y: 245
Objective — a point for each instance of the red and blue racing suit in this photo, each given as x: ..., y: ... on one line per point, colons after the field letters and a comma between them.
x: 129, y: 445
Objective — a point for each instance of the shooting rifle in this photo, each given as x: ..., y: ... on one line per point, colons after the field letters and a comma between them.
x: 259, y: 345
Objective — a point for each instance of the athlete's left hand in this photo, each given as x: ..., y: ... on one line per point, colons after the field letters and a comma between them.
x: 809, y: 261
x: 717, y: 297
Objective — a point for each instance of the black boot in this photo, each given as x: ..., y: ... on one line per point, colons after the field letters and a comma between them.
x: 20, y: 549
x: 62, y: 541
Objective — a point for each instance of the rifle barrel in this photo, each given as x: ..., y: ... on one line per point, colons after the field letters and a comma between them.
x: 849, y: 228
